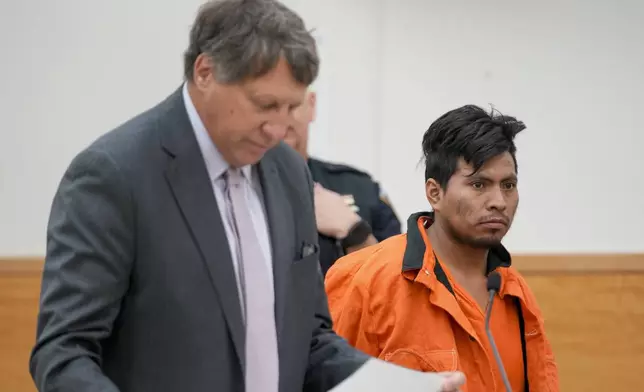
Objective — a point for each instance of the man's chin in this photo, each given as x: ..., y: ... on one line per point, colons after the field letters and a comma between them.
x: 251, y: 155
x: 485, y: 242
x: 246, y: 158
x: 291, y: 142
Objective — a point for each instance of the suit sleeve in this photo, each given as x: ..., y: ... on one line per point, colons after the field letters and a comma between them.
x: 331, y: 358
x: 385, y: 223
x: 87, y: 267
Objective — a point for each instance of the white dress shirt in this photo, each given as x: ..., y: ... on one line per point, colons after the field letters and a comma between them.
x: 217, y: 166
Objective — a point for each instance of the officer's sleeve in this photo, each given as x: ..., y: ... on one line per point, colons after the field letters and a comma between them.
x: 385, y: 223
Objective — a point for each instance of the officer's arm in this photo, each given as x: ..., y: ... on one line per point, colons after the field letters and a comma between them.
x: 371, y: 240
x: 385, y: 223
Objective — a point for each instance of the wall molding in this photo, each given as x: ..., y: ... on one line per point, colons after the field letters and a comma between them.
x: 21, y: 265
x: 529, y: 264
x: 536, y: 264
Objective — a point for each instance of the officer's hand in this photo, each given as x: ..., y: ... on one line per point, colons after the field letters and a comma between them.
x: 334, y: 216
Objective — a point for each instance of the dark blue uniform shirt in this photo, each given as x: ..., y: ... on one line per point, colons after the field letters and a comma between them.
x: 373, y: 205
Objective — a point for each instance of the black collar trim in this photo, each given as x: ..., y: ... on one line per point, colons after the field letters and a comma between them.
x: 415, y: 251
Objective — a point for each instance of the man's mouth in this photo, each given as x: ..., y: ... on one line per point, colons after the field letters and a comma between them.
x: 258, y: 146
x: 495, y: 223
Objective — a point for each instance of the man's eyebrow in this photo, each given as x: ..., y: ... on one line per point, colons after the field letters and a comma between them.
x: 477, y: 176
x: 262, y: 96
x: 483, y: 177
x: 270, y: 98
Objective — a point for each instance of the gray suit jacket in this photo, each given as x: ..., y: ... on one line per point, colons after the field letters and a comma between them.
x: 138, y: 290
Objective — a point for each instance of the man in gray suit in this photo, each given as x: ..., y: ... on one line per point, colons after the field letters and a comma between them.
x: 182, y: 246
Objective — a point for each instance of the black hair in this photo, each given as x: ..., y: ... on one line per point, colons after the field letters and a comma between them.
x: 471, y: 133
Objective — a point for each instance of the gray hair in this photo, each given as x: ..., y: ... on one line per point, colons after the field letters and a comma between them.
x: 246, y: 38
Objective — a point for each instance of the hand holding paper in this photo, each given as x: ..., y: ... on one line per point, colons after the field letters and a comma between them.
x: 452, y: 381
x: 376, y: 375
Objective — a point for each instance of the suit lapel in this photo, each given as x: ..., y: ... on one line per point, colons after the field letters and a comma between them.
x: 280, y: 221
x: 188, y: 178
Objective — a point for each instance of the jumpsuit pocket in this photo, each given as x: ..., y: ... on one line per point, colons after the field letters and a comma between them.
x: 425, y: 361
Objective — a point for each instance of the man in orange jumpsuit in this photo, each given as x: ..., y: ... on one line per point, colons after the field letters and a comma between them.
x: 419, y: 299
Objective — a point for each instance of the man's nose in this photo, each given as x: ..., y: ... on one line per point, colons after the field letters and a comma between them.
x: 497, y: 199
x: 274, y: 130
x: 279, y: 123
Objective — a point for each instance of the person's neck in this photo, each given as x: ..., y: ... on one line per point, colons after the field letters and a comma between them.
x: 199, y: 104
x: 459, y: 257
x: 193, y: 93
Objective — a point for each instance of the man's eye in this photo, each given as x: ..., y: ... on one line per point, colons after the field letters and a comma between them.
x: 477, y: 185
x: 509, y: 186
x: 267, y: 106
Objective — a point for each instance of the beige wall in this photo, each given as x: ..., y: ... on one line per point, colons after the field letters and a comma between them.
x: 571, y: 70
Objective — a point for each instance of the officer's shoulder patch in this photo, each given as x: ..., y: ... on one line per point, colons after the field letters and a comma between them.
x: 384, y: 197
x: 333, y: 167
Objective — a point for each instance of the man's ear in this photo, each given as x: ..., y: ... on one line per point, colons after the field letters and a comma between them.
x: 434, y: 194
x: 203, y: 71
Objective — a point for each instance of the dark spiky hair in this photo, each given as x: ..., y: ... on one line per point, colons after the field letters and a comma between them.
x: 471, y: 133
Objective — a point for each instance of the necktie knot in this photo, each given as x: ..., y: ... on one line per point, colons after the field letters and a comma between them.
x: 234, y: 177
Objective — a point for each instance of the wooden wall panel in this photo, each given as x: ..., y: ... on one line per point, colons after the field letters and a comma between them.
x: 593, y: 305
x: 19, y: 293
x: 595, y: 323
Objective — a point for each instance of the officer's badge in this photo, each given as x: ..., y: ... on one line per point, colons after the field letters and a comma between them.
x: 384, y: 198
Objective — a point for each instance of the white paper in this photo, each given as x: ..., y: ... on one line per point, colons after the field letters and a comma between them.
x: 376, y: 375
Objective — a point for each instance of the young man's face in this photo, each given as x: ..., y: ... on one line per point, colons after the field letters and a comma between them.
x: 478, y: 209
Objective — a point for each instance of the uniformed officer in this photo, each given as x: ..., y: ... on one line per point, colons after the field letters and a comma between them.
x: 351, y: 209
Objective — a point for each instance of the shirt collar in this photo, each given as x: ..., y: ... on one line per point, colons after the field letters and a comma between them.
x: 419, y: 255
x: 216, y: 165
